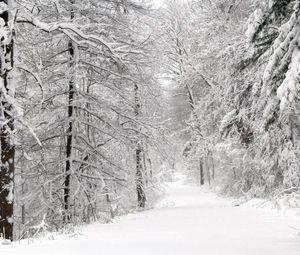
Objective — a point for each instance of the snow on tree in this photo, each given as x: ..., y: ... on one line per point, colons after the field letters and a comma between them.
x: 99, y: 98
x: 75, y: 86
x: 288, y: 90
x: 268, y: 74
x: 8, y: 114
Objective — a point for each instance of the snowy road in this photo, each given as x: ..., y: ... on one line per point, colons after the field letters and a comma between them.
x: 187, y: 221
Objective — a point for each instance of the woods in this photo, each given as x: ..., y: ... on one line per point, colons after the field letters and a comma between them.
x: 72, y: 111
x: 234, y: 63
x: 99, y: 98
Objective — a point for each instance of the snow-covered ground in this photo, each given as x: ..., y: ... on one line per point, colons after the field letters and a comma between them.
x: 188, y: 220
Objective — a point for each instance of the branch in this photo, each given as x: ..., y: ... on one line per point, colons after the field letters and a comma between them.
x: 65, y: 27
x: 35, y: 76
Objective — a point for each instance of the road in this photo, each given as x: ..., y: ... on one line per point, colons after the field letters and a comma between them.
x: 188, y: 220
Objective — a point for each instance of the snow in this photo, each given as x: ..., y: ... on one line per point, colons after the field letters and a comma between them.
x: 254, y: 22
x: 10, y: 196
x: 188, y: 220
x: 227, y: 120
x: 289, y: 88
x: 286, y: 204
x: 284, y: 49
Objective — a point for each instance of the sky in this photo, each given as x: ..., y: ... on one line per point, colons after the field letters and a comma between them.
x: 158, y: 3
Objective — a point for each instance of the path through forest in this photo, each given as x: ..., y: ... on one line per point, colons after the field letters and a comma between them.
x: 188, y: 220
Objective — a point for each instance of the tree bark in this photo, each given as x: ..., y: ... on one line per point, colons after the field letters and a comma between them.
x: 6, y: 131
x: 139, y: 178
x: 69, y: 145
x: 69, y: 152
x: 201, y: 172
x: 7, y: 176
x: 141, y: 196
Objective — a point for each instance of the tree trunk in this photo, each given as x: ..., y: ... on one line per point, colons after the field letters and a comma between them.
x: 139, y: 179
x: 7, y: 129
x: 141, y: 196
x: 69, y: 145
x: 7, y: 176
x: 145, y: 168
x: 201, y: 172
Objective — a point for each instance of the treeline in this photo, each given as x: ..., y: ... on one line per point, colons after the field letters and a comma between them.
x: 236, y: 63
x: 79, y: 123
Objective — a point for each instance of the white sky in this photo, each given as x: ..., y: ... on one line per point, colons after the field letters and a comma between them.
x: 158, y: 3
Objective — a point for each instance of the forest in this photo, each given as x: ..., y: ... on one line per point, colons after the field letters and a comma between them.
x: 102, y: 101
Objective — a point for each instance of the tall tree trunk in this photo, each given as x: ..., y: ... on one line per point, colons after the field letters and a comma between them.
x: 145, y: 168
x: 69, y: 145
x: 7, y: 128
x: 201, y: 172
x: 141, y: 196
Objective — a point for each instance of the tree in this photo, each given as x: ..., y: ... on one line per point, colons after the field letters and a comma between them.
x: 76, y: 85
x: 197, y: 61
x: 8, y: 108
x: 141, y: 196
x: 69, y: 146
x: 255, y: 99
